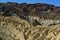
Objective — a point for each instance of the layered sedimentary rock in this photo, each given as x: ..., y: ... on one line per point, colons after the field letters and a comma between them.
x: 29, y: 21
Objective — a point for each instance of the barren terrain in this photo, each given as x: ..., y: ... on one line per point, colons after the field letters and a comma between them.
x: 29, y: 21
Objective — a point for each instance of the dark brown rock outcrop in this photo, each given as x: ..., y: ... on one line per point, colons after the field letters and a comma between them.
x: 46, y: 11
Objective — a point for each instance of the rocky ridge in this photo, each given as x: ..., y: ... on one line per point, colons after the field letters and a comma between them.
x: 29, y: 21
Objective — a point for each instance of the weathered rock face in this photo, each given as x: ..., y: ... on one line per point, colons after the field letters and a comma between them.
x: 29, y: 21
x: 14, y: 28
x: 45, y: 11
